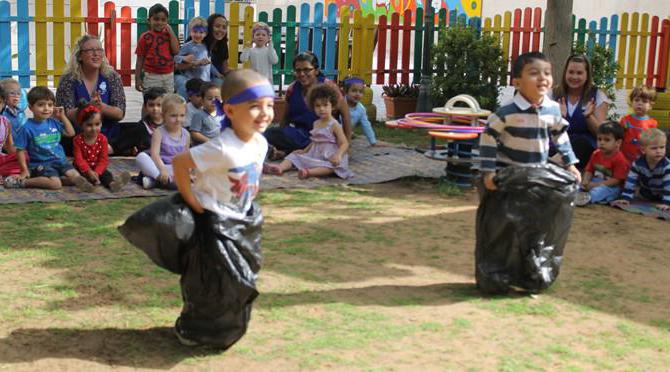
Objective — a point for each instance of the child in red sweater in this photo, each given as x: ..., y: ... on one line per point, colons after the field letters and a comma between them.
x: 641, y: 100
x: 90, y: 151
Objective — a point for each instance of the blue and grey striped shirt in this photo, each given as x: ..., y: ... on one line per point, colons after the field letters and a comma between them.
x: 519, y: 134
x: 653, y: 183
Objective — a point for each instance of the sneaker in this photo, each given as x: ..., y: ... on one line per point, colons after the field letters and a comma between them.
x: 148, y: 183
x: 82, y: 184
x: 582, y: 199
x: 13, y: 183
x: 119, y: 181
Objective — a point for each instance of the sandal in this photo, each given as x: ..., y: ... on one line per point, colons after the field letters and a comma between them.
x: 275, y: 155
x: 272, y: 169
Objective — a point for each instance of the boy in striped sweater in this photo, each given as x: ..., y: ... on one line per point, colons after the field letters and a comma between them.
x: 650, y: 173
x: 519, y: 133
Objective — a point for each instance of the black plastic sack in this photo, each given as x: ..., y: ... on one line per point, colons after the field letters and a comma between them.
x: 218, y: 262
x: 522, y: 228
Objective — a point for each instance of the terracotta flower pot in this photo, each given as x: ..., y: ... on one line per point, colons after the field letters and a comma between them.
x: 398, y: 107
x: 279, y: 109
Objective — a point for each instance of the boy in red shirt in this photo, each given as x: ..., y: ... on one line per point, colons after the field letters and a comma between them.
x: 607, y: 169
x: 155, y: 53
x: 641, y: 100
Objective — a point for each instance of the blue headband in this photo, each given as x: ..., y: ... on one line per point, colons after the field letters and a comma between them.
x: 199, y: 28
x: 353, y: 80
x: 254, y: 92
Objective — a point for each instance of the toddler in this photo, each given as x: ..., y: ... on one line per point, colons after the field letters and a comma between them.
x: 353, y: 89
x: 9, y: 164
x: 206, y: 122
x: 194, y: 100
x: 90, y: 150
x: 606, y: 171
x: 136, y: 137
x: 641, y: 99
x: 167, y: 141
x: 12, y: 108
x: 327, y: 152
x: 40, y: 138
x: 262, y: 55
x: 193, y: 57
x: 155, y: 51
x: 650, y: 173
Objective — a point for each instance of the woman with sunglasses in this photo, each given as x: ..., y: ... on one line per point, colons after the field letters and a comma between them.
x: 293, y: 132
x: 582, y: 104
x: 88, y: 77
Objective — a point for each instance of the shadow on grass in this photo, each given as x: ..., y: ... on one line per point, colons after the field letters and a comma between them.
x: 141, y: 348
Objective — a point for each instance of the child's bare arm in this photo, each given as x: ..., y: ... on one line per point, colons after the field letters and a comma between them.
x: 9, y: 143
x: 341, y: 140
x: 59, y: 113
x: 587, y: 179
x: 23, y: 164
x: 155, y: 151
x: 182, y: 165
x: 139, y: 65
x: 174, y: 41
x: 199, y: 137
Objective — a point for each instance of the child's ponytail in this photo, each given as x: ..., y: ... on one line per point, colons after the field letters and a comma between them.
x: 85, y: 111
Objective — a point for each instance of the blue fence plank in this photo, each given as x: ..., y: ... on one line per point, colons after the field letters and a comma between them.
x: 614, y: 27
x: 331, y: 48
x: 23, y: 33
x: 453, y: 17
x: 189, y: 12
x: 220, y: 6
x: 5, y: 42
x: 602, y: 34
x: 592, y: 37
x: 204, y: 8
x: 303, y: 30
x: 317, y: 31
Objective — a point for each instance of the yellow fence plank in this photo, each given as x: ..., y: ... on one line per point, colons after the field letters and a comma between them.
x: 343, y: 44
x: 621, y: 57
x: 368, y: 47
x: 58, y: 40
x: 507, y: 24
x: 248, y: 36
x: 632, y: 47
x: 642, y: 51
x: 41, y: 42
x: 234, y: 31
x: 357, y: 43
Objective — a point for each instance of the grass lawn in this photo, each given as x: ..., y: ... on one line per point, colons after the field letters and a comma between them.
x: 372, y: 277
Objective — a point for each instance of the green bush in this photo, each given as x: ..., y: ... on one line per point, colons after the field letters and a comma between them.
x: 465, y: 62
x: 604, y: 67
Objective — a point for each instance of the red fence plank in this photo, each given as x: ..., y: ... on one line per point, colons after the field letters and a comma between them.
x: 651, y: 57
x: 525, y: 41
x: 110, y: 33
x: 126, y: 18
x: 381, y: 49
x: 92, y: 18
x: 393, y: 55
x: 663, y: 55
x: 537, y: 29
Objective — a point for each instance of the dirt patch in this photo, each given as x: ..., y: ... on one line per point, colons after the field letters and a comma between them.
x: 363, y: 277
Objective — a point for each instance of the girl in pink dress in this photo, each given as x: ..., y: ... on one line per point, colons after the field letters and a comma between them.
x: 327, y: 152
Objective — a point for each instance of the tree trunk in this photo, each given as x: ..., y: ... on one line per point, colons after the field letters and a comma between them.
x: 558, y: 35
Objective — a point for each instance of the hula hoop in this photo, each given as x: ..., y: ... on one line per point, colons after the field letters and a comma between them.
x: 453, y: 135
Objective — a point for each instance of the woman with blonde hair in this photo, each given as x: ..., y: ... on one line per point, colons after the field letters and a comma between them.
x: 88, y: 77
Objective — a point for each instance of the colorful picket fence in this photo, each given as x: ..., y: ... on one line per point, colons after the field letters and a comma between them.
x: 382, y: 50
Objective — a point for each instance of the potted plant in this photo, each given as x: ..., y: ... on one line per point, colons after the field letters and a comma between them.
x: 400, y: 99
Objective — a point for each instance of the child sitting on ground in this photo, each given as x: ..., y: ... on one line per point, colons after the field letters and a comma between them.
x: 167, y: 141
x: 9, y: 164
x: 641, y: 100
x: 136, y: 137
x: 353, y: 89
x: 194, y: 100
x: 11, y: 109
x: 519, y: 133
x: 650, y: 173
x: 193, y: 57
x: 206, y: 122
x: 327, y: 152
x: 90, y: 150
x: 155, y: 50
x: 606, y: 171
x: 40, y: 138
x: 262, y: 55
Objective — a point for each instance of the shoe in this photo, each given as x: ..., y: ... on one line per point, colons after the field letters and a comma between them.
x: 148, y: 183
x: 120, y: 181
x: 272, y: 169
x: 13, y: 183
x: 82, y: 184
x: 582, y: 199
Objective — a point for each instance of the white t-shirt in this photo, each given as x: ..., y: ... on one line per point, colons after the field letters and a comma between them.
x: 228, y: 172
x: 601, y: 98
x: 190, y: 111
